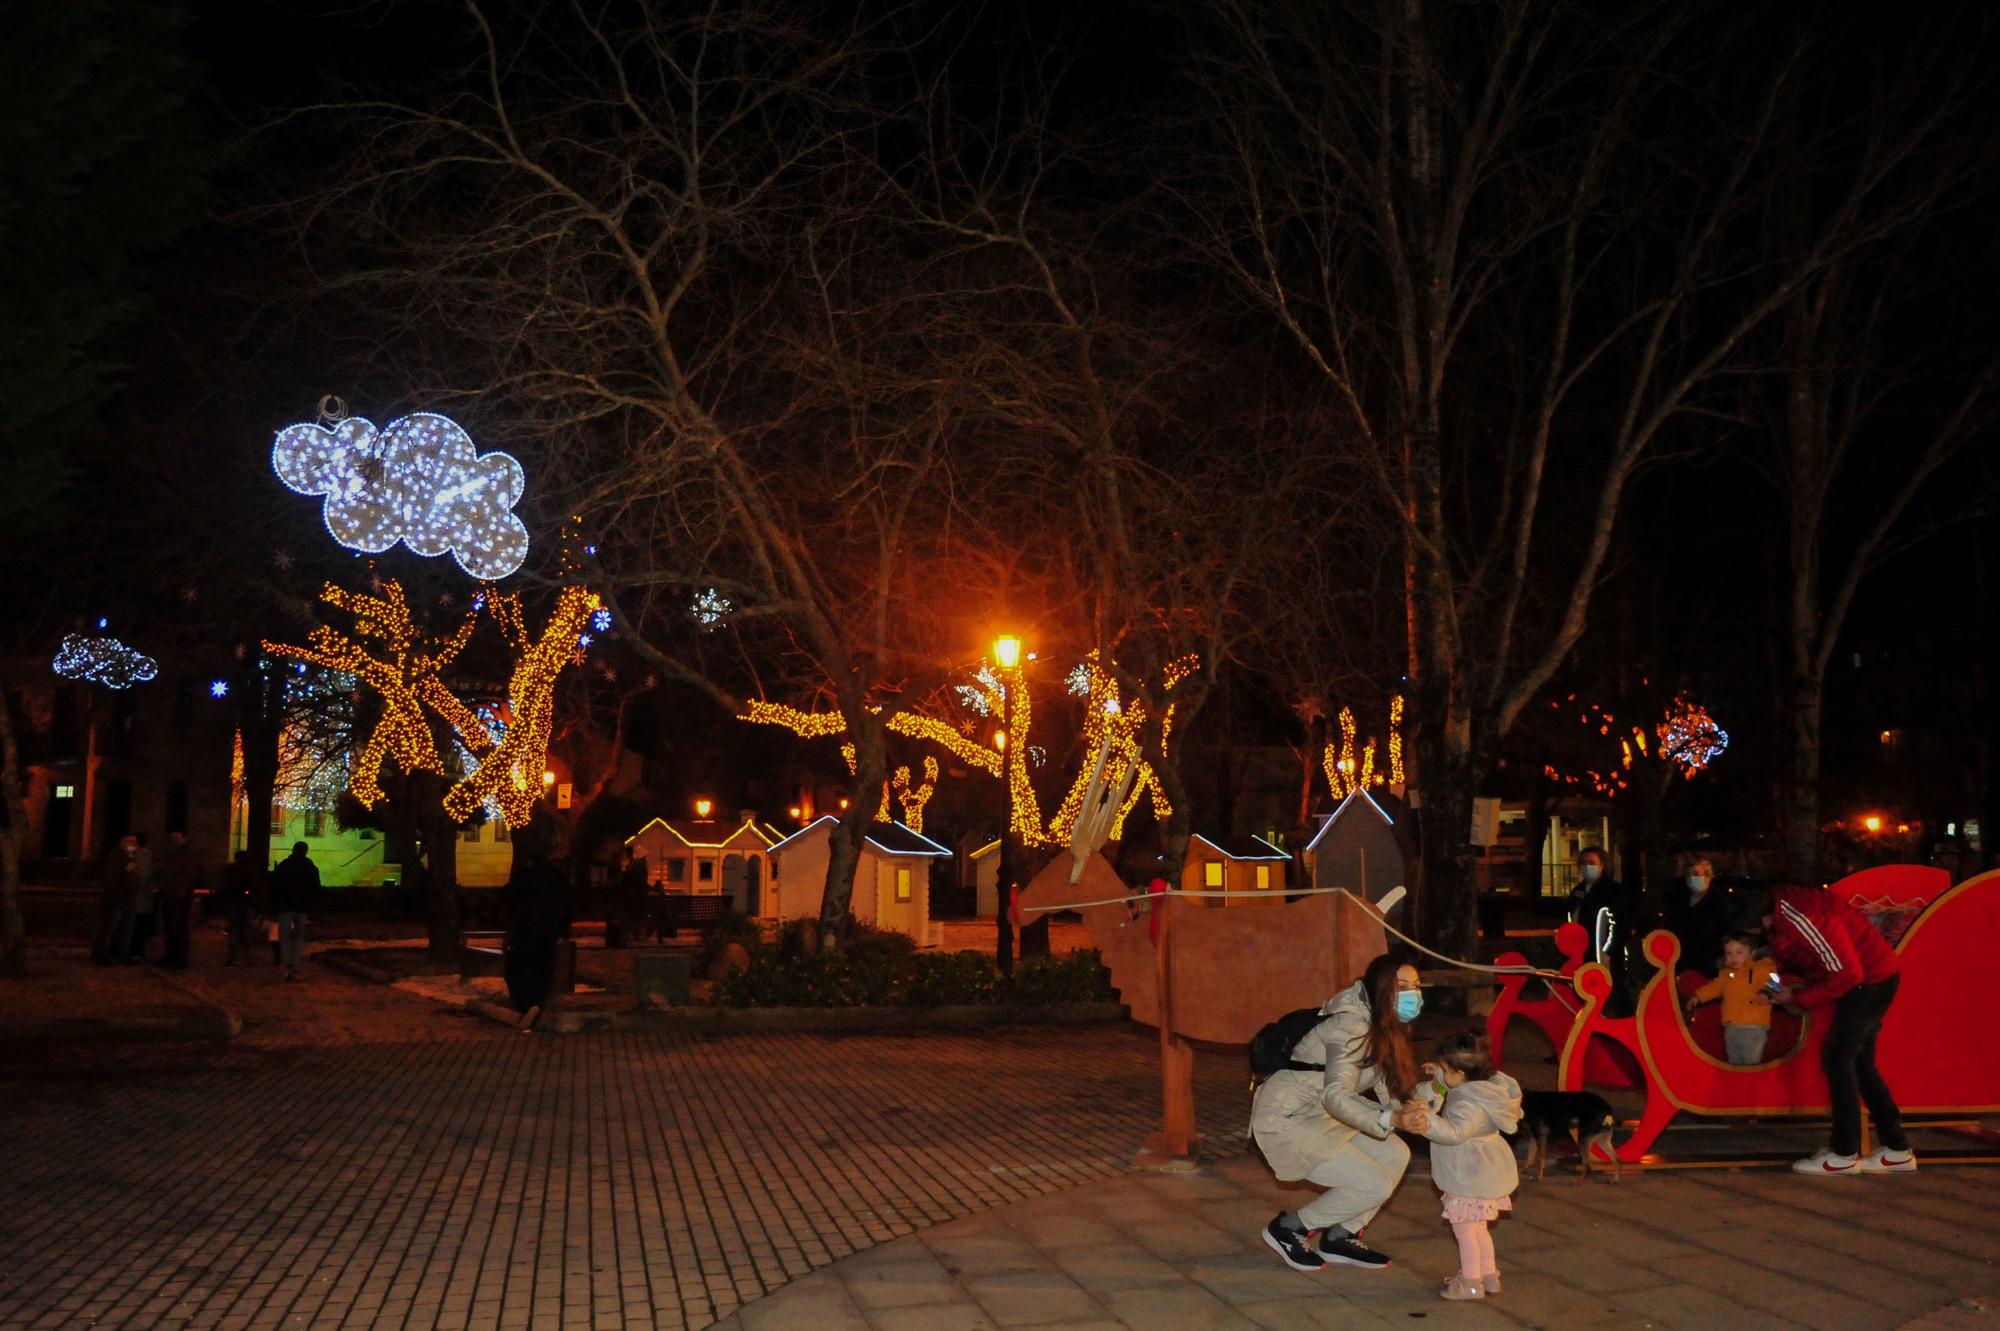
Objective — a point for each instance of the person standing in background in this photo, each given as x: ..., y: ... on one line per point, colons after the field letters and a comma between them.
x: 179, y: 876
x: 117, y: 895
x: 1608, y: 911
x: 294, y: 885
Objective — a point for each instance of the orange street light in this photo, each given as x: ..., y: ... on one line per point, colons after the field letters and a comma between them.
x: 793, y: 811
x: 1000, y: 740
x: 548, y: 777
x: 1007, y: 651
x: 1873, y: 822
x: 701, y: 808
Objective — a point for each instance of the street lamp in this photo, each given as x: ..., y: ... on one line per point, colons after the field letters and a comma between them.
x: 701, y: 808
x: 1007, y: 651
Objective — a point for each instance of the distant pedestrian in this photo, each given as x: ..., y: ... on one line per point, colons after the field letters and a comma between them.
x: 625, y: 912
x: 294, y: 886
x: 1829, y: 955
x: 1699, y: 914
x: 233, y: 897
x: 537, y: 919
x: 1608, y: 911
x: 179, y: 876
x: 145, y: 900
x: 1471, y: 1163
x: 117, y: 895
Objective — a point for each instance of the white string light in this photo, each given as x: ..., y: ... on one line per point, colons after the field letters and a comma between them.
x: 105, y: 661
x: 709, y: 607
x: 420, y: 480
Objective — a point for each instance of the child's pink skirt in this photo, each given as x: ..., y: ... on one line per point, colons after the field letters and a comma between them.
x: 1461, y: 1210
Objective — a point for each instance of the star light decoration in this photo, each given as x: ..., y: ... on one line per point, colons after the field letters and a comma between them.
x: 420, y: 481
x: 104, y: 660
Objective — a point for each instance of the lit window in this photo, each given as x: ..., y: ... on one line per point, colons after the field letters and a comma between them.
x: 277, y: 820
x: 1211, y: 874
x: 65, y: 792
x: 315, y: 822
x: 1263, y: 877
x: 902, y: 884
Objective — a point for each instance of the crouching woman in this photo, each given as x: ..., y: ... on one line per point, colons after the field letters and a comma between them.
x: 1335, y: 1126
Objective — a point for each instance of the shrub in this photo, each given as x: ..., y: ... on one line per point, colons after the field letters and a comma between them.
x: 1043, y: 981
x: 949, y: 979
x: 813, y: 981
x: 729, y: 927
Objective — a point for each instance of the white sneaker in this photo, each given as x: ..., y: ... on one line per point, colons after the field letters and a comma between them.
x: 1882, y: 1160
x: 1828, y: 1165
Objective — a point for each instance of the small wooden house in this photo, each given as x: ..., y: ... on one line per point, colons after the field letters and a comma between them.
x: 983, y: 867
x: 892, y: 883
x: 1234, y: 864
x: 1359, y: 847
x: 709, y: 857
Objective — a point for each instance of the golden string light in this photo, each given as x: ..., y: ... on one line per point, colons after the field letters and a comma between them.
x: 818, y: 725
x: 806, y: 725
x: 913, y: 798
x: 1349, y: 769
x: 510, y: 772
x: 405, y: 675
x: 1110, y: 718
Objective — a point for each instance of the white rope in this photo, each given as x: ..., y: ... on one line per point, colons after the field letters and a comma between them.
x: 1265, y: 894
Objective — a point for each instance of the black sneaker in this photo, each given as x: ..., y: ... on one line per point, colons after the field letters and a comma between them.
x: 1349, y: 1250
x: 1293, y: 1245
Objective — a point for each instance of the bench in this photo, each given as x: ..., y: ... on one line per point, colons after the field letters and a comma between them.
x: 484, y: 952
x: 666, y: 914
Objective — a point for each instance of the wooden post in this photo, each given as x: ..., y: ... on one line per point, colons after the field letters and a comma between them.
x: 1176, y: 1144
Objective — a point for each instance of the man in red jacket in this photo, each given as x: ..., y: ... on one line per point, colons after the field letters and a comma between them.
x: 1829, y: 955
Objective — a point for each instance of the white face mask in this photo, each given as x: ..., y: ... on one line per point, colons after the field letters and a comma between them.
x: 1697, y: 883
x: 1590, y: 873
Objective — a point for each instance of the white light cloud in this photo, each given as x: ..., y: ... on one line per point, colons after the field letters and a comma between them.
x: 420, y: 480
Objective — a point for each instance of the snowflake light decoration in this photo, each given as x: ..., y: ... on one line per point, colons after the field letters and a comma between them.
x: 709, y: 607
x: 105, y: 661
x: 420, y: 480
x: 1078, y: 680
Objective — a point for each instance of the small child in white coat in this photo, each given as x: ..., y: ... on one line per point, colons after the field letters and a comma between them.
x: 1471, y: 1163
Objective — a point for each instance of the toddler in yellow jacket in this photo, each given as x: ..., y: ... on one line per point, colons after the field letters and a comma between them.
x: 1746, y: 1023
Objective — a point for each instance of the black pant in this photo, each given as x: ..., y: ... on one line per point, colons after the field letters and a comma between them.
x: 530, y: 968
x: 1851, y: 1077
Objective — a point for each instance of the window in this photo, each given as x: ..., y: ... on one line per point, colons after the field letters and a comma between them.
x: 315, y: 822
x: 677, y: 869
x: 1211, y: 874
x: 470, y: 835
x: 774, y: 870
x: 1263, y: 877
x: 65, y: 792
x: 501, y: 833
x: 902, y: 884
x: 705, y: 871
x: 277, y: 820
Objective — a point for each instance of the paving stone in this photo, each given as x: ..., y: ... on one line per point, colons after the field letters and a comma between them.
x: 1031, y: 1298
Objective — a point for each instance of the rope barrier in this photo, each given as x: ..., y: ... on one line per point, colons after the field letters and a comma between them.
x: 1266, y: 894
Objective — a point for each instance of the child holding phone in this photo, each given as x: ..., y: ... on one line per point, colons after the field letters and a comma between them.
x: 1746, y: 1023
x: 1471, y: 1163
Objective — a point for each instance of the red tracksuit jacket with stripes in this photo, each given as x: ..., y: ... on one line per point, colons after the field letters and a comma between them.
x: 1824, y: 947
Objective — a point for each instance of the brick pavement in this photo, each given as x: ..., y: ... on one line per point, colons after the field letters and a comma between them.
x: 1757, y: 1250
x: 508, y: 1181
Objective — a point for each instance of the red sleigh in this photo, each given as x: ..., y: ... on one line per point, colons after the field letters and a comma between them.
x: 1946, y: 950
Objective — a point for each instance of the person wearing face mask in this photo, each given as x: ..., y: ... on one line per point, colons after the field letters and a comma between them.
x: 1331, y: 1116
x: 1699, y: 914
x: 1608, y: 913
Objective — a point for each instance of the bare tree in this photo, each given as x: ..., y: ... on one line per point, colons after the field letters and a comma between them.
x: 1510, y: 240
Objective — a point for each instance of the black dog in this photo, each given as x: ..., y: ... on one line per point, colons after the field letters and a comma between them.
x: 1584, y: 1118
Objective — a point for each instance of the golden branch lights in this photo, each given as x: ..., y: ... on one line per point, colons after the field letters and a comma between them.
x: 1346, y: 772
x: 404, y: 674
x: 510, y: 772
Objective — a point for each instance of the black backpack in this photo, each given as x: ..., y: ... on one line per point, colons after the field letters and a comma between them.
x: 1271, y: 1048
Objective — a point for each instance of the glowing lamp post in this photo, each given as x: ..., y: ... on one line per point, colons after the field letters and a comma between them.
x: 1007, y: 656
x: 702, y: 807
x: 1007, y: 652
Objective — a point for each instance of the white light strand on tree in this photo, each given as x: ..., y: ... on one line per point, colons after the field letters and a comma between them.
x: 105, y: 661
x: 709, y: 607
x: 420, y: 480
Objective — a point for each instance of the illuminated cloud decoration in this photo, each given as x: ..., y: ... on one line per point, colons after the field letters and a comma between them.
x: 105, y: 661
x: 420, y: 481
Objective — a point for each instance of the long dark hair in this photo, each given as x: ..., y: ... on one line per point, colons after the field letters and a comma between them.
x: 1387, y: 1047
